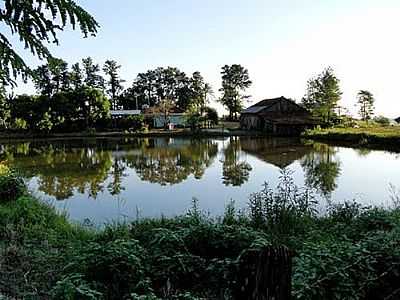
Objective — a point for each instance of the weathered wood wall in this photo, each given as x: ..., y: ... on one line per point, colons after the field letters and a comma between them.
x: 265, y: 275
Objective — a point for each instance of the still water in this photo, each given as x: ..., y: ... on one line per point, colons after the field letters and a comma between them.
x: 104, y: 180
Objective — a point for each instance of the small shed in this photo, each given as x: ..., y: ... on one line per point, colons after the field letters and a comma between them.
x: 278, y: 116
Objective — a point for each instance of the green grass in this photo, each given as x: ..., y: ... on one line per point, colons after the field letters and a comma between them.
x: 362, y: 136
x: 352, y: 252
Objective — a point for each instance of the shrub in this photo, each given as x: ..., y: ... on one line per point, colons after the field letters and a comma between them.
x: 12, y: 187
x: 282, y: 210
x: 212, y: 115
x: 20, y: 124
x: 117, y: 267
x: 134, y: 123
x: 381, y: 120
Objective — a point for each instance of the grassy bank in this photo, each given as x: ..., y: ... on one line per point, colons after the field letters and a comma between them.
x: 373, y: 137
x: 350, y: 253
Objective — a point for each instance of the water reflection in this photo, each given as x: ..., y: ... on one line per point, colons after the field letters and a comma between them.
x: 321, y: 169
x: 171, y: 161
x: 235, y: 171
x: 63, y: 168
x: 280, y: 152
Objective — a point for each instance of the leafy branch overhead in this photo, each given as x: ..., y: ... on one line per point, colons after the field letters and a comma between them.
x: 37, y: 22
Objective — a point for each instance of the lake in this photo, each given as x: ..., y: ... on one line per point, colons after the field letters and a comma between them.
x: 105, y: 180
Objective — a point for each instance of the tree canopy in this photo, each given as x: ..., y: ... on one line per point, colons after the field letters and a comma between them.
x: 153, y: 86
x: 114, y: 82
x: 235, y: 80
x: 322, y: 95
x: 37, y: 23
x: 366, y: 102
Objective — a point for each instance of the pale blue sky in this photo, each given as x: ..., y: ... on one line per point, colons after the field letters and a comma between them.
x: 282, y: 43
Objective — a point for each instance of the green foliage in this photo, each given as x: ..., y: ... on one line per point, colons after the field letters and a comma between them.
x: 134, y: 123
x: 381, y: 120
x: 282, y: 211
x: 111, y: 69
x: 19, y: 124
x: 11, y: 187
x: 235, y: 80
x: 322, y: 96
x: 154, y: 86
x: 4, y: 109
x: 212, y: 115
x: 366, y: 102
x: 35, y: 23
x: 45, y: 124
x: 352, y: 252
x: 74, y: 287
x: 366, y: 136
x: 193, y: 118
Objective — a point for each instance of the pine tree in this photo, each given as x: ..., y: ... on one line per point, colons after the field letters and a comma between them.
x: 366, y: 102
x: 114, y: 83
x: 76, y: 76
x: 92, y: 78
x: 37, y: 22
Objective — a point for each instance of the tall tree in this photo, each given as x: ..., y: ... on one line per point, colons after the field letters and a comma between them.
x: 200, y: 92
x: 322, y: 95
x: 37, y: 22
x: 114, y: 83
x: 92, y: 78
x: 156, y: 85
x: 366, y: 102
x: 52, y: 77
x: 235, y: 80
x: 76, y: 76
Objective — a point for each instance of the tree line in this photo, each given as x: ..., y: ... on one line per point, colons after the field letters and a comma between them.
x: 80, y: 97
x: 323, y: 95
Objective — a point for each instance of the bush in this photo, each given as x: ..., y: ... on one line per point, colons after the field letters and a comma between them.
x: 212, y: 115
x: 12, y: 187
x: 381, y: 120
x: 134, y: 123
x: 281, y: 211
x: 20, y: 124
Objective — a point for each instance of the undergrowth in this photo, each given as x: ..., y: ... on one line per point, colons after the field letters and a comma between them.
x: 351, y: 252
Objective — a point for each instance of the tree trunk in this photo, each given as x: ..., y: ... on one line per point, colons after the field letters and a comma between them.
x: 265, y: 275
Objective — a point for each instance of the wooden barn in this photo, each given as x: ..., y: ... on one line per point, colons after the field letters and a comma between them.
x: 278, y: 116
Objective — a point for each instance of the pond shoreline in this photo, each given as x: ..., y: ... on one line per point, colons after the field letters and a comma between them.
x: 357, y: 138
x: 119, y: 134
x: 53, y: 255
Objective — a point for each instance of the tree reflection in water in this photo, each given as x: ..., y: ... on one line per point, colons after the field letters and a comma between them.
x: 169, y: 161
x: 234, y: 171
x: 62, y: 169
x: 322, y: 169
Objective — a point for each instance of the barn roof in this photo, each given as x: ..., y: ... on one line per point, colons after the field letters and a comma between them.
x: 265, y: 104
x: 278, y: 152
x: 265, y: 109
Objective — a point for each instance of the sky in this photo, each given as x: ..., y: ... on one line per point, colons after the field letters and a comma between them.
x: 282, y: 43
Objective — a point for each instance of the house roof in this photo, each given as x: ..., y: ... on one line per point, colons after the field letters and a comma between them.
x: 264, y: 108
x: 265, y: 104
x: 279, y: 152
